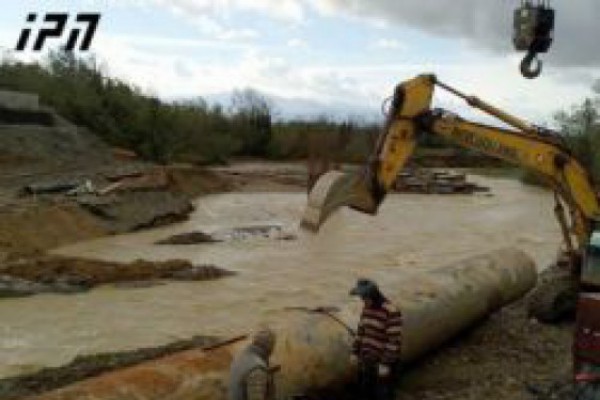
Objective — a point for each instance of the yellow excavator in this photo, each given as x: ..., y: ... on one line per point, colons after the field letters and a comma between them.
x: 537, y: 149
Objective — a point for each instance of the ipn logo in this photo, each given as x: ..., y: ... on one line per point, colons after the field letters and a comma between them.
x: 89, y: 21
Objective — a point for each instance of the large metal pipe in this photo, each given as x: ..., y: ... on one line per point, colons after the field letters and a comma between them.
x: 313, y: 349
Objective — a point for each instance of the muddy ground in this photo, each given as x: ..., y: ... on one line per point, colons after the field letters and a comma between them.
x: 89, y: 366
x: 35, y: 223
x: 508, y: 356
x: 57, y: 274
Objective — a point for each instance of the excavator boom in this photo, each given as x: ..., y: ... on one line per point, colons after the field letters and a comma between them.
x: 410, y: 114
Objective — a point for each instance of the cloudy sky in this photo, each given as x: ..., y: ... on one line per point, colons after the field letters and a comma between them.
x: 340, y: 55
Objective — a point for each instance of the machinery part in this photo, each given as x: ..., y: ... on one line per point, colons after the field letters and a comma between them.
x: 533, y: 33
x: 590, y: 273
x: 531, y: 66
x: 332, y: 191
x: 411, y: 114
x: 587, y: 330
x: 314, y: 351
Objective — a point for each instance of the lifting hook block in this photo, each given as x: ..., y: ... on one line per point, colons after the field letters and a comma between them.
x: 531, y: 66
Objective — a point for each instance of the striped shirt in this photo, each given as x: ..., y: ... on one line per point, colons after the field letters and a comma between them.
x: 379, y: 334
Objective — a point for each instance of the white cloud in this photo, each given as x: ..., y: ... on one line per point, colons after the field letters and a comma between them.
x: 158, y: 65
x: 389, y: 44
x: 495, y: 79
x: 290, y: 10
x: 164, y: 45
x: 297, y: 43
x: 237, y: 34
x: 485, y: 23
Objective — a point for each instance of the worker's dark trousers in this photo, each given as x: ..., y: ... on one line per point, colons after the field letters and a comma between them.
x: 371, y: 386
x: 588, y: 390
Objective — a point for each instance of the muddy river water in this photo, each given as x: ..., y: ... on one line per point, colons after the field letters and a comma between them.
x: 411, y: 231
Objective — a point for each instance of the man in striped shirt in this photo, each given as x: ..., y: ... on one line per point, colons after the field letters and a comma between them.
x: 378, y: 342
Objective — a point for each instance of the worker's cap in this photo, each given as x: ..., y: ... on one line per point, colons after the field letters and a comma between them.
x: 264, y: 339
x: 365, y: 288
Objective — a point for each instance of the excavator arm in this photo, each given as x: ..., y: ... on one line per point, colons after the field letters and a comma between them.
x: 521, y: 144
x: 551, y: 161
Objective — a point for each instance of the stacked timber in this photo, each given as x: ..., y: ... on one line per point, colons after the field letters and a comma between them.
x: 435, y: 182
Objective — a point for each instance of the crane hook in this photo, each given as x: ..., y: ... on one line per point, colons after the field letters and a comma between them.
x: 528, y: 70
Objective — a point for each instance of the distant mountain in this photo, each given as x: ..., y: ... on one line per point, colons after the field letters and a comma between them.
x: 286, y: 109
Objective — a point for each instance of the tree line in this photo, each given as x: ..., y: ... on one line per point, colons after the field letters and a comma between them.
x: 170, y: 131
x: 580, y: 127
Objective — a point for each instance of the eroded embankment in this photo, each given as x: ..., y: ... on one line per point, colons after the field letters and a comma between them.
x: 32, y: 224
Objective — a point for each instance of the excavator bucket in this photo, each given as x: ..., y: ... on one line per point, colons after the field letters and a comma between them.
x: 334, y: 190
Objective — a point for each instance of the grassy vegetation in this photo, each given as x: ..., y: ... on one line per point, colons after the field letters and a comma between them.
x: 580, y: 127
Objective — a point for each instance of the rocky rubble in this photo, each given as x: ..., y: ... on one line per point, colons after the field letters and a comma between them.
x: 275, y: 232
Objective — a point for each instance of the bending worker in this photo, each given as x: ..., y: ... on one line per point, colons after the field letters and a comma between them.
x: 378, y: 342
x: 250, y: 376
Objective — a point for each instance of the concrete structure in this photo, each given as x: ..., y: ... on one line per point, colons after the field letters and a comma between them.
x: 19, y: 100
x: 313, y: 349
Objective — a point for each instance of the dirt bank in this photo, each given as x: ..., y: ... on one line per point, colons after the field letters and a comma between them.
x: 35, y: 223
x: 60, y: 184
x: 261, y: 176
x: 83, y: 367
x: 58, y: 274
x: 31, y: 227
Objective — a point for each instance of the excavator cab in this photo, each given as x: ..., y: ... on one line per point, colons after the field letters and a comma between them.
x: 533, y: 33
x: 586, y: 344
x: 590, y: 273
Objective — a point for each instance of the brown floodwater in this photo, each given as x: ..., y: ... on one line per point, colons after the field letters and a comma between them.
x: 411, y: 232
